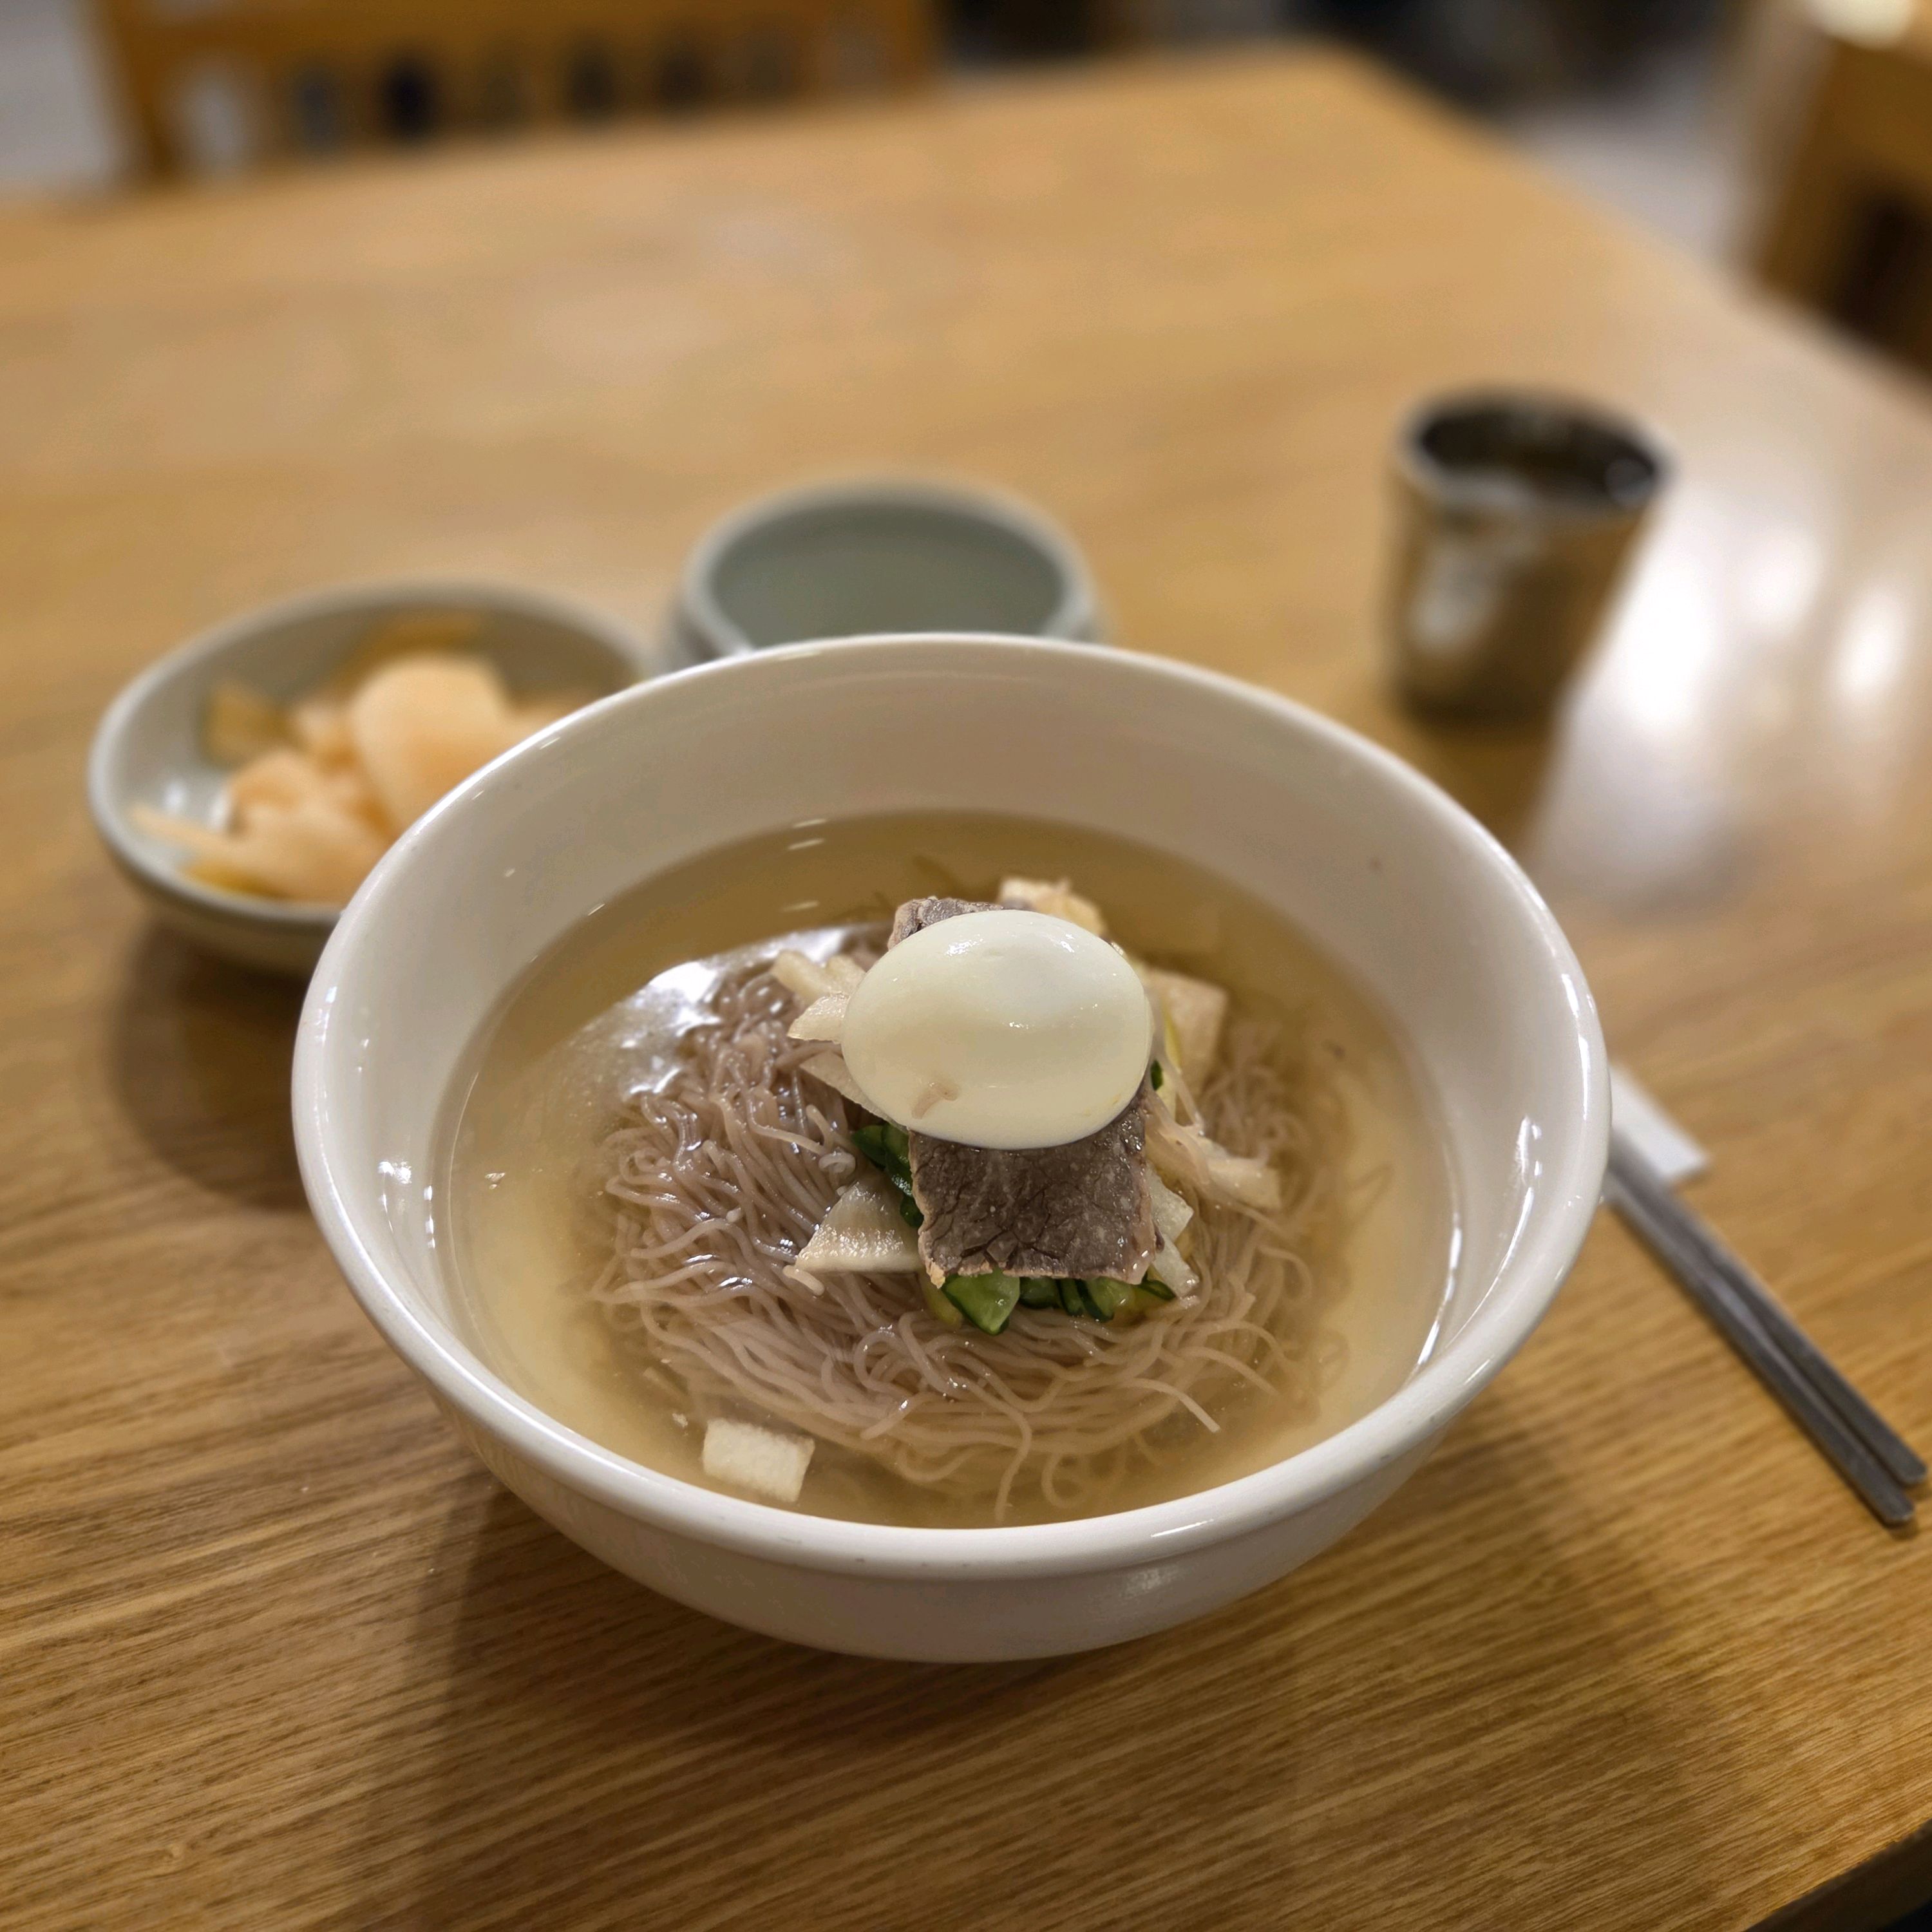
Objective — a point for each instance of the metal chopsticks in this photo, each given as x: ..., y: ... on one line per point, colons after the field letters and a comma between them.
x: 1857, y: 1441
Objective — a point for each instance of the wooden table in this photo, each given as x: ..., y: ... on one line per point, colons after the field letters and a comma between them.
x: 1625, y: 1653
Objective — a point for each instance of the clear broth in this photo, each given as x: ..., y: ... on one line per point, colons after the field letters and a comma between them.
x: 549, y: 1073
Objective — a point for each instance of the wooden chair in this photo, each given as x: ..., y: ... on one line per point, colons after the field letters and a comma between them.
x: 216, y: 86
x: 1849, y: 228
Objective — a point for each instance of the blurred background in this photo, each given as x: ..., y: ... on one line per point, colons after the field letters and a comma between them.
x: 1789, y: 139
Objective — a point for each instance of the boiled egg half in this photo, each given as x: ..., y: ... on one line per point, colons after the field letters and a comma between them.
x: 1000, y: 1029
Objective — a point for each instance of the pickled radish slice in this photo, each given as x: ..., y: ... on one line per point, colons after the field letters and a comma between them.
x: 241, y: 724
x: 415, y: 634
x: 421, y: 725
x: 313, y: 851
x: 283, y: 777
x: 321, y: 728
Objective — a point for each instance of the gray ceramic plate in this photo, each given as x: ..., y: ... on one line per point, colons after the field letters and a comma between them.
x: 149, y: 751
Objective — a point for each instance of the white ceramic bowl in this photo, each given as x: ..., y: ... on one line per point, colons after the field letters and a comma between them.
x: 148, y: 749
x: 865, y: 555
x: 1395, y: 881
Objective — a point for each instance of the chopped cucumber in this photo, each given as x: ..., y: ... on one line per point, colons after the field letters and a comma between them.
x: 1099, y: 1299
x: 986, y: 1300
x: 888, y: 1149
x: 937, y: 1302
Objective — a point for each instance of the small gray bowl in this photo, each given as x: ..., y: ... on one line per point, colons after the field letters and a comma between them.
x: 875, y: 555
x: 148, y: 749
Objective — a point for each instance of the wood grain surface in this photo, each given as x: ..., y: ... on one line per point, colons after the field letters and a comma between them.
x: 274, y: 1653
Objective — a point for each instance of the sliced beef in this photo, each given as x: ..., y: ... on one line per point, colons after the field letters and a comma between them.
x: 1083, y: 1209
x: 916, y: 915
x: 1080, y: 1210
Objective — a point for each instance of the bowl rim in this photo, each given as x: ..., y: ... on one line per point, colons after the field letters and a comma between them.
x: 206, y: 647
x: 1535, y: 1266
x: 1072, y: 618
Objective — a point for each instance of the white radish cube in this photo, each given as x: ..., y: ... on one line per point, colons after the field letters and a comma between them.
x: 1053, y: 896
x: 830, y: 1067
x: 1195, y: 1012
x: 761, y: 1460
x: 1171, y: 1213
x: 824, y: 1019
x: 804, y: 979
x: 863, y: 1232
x: 845, y: 972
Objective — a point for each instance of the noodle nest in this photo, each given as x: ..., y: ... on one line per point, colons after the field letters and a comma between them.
x: 716, y: 1179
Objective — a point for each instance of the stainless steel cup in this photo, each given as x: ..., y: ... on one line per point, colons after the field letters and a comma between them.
x: 1515, y: 514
